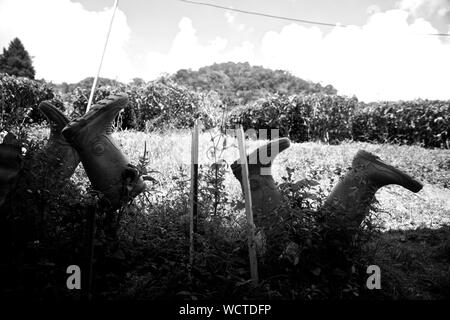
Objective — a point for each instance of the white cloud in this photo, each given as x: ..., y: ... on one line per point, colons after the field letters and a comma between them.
x: 187, y: 52
x: 424, y: 7
x: 231, y: 20
x: 65, y: 39
x: 230, y: 16
x: 384, y: 59
x: 372, y: 9
x: 431, y: 10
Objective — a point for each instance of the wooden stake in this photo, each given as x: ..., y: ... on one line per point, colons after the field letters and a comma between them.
x: 193, y: 214
x: 94, y: 84
x: 248, y: 206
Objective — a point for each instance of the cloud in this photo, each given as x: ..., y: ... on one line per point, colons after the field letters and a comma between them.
x: 186, y: 51
x: 65, y: 39
x: 385, y: 59
x: 431, y: 10
x: 231, y: 20
x: 372, y: 9
x: 230, y: 16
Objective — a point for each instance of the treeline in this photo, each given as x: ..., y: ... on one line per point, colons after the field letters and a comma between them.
x: 164, y: 104
x: 235, y: 83
x: 241, y: 83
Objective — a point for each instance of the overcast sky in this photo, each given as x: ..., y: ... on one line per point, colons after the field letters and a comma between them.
x: 381, y: 55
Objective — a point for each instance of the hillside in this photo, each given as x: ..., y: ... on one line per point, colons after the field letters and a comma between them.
x: 240, y: 83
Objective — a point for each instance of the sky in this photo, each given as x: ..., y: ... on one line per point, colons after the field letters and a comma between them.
x: 379, y: 51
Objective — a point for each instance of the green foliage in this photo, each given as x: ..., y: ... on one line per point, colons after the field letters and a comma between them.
x: 421, y: 122
x: 240, y: 83
x: 19, y: 101
x: 333, y: 119
x: 16, y: 61
x: 142, y: 251
x: 301, y: 118
x: 162, y: 104
x: 159, y: 105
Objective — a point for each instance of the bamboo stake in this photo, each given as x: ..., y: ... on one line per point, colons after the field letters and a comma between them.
x: 94, y: 84
x: 248, y: 206
x: 193, y: 214
x: 92, y: 211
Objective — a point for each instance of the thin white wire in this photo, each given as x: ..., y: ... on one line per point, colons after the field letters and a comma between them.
x: 291, y: 19
x: 94, y: 84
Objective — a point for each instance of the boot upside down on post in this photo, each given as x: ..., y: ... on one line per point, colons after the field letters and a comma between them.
x: 107, y: 167
x: 349, y: 201
x: 88, y: 139
x: 61, y: 159
x: 347, y: 205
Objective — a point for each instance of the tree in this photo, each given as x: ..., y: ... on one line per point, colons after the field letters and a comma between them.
x: 16, y: 61
x: 138, y: 82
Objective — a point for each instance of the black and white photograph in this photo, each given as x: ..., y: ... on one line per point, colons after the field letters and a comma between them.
x: 223, y: 156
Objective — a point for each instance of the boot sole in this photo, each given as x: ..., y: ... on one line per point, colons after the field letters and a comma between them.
x: 408, y: 182
x: 283, y: 144
x: 54, y: 115
x: 113, y: 104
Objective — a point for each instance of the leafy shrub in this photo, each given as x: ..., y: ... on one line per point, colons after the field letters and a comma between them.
x: 301, y: 118
x: 20, y: 98
x: 421, y: 122
x: 332, y: 119
x: 164, y: 104
x: 160, y: 104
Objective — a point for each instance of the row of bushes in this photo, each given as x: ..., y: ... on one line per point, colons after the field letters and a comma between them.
x: 164, y: 105
x: 301, y: 118
x: 333, y: 118
x: 160, y: 104
x: 421, y: 122
x: 19, y: 99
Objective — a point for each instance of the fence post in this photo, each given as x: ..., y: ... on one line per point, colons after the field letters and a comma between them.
x: 193, y: 213
x: 248, y: 206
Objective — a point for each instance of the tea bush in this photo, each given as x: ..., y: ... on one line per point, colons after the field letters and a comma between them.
x: 333, y: 119
x: 160, y: 104
x: 422, y: 122
x: 301, y: 118
x: 20, y: 98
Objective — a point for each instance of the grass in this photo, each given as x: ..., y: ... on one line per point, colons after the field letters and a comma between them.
x: 400, y: 208
x: 413, y: 249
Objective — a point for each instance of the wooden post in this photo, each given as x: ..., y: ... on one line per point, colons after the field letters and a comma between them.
x: 248, y: 206
x: 193, y: 212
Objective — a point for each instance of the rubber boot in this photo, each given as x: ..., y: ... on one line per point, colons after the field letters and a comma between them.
x: 265, y: 195
x: 11, y: 160
x: 108, y: 169
x: 60, y: 158
x: 350, y: 200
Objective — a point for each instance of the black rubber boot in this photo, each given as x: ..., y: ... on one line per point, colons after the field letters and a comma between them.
x: 108, y: 169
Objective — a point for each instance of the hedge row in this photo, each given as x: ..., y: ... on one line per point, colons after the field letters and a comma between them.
x: 318, y: 117
x: 19, y: 99
x: 160, y: 104
x: 156, y: 105
x: 421, y: 122
x: 335, y: 118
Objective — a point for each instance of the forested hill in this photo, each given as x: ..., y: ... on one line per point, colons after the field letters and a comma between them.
x: 236, y: 83
x: 240, y: 83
